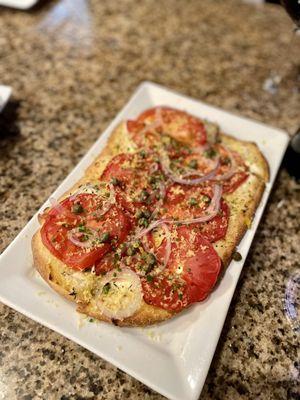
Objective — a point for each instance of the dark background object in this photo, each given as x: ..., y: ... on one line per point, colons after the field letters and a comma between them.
x: 292, y: 156
x: 293, y: 9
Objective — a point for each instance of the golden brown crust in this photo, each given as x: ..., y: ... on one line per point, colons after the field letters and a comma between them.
x: 79, y: 286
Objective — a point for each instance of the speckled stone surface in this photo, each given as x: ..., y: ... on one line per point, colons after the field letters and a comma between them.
x: 72, y: 65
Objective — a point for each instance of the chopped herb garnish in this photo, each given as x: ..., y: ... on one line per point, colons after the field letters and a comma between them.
x: 84, y: 238
x: 237, y: 256
x: 105, y: 238
x: 77, y: 208
x: 143, y: 154
x: 144, y: 196
x: 193, y: 202
x: 143, y: 214
x: 149, y: 278
x: 193, y: 164
x: 210, y: 153
x: 226, y: 160
x: 106, y: 288
x: 116, y: 182
x: 131, y: 251
x: 143, y: 222
x: 81, y: 228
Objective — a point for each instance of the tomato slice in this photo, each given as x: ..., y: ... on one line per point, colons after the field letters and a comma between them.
x: 82, y: 215
x: 184, y: 203
x: 138, y: 180
x: 191, y: 272
x: 167, y: 292
x: 175, y: 123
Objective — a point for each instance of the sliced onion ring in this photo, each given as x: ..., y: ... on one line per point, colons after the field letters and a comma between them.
x: 107, y: 203
x: 168, y: 246
x: 165, y: 163
x: 57, y: 206
x: 231, y: 171
x: 126, y: 287
x: 90, y: 189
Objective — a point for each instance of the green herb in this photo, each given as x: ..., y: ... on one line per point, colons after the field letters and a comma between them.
x: 105, y: 237
x: 193, y: 164
x: 149, y: 278
x: 210, y: 153
x: 150, y: 259
x: 77, y: 208
x: 226, y: 161
x: 193, y: 202
x: 91, y: 320
x: 180, y: 295
x: 73, y: 293
x: 131, y: 251
x: 84, y: 238
x: 152, y: 179
x: 143, y: 154
x: 206, y: 199
x: 143, y: 214
x: 143, y: 222
x: 106, y: 288
x: 144, y: 196
x: 116, y: 182
x: 116, y: 257
x: 237, y: 256
x: 81, y: 228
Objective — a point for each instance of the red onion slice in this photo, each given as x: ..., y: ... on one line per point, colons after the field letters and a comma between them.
x: 59, y: 207
x: 120, y: 294
x: 168, y: 245
x: 165, y: 163
x: 231, y: 171
x: 106, y: 204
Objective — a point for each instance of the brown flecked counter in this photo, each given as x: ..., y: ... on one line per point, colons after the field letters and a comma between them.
x: 72, y: 65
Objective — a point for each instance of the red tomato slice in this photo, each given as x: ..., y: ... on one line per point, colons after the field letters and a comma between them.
x: 60, y: 220
x: 138, y: 179
x: 169, y: 293
x: 186, y: 203
x: 175, y: 123
x: 190, y: 275
x: 143, y: 137
x: 105, y: 265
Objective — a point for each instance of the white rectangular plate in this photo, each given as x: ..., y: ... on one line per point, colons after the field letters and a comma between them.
x: 5, y: 92
x: 22, y: 4
x: 173, y: 358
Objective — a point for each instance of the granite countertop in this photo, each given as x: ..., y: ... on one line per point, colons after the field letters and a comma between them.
x: 72, y: 65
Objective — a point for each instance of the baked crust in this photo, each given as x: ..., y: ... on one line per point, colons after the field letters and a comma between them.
x: 79, y: 286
